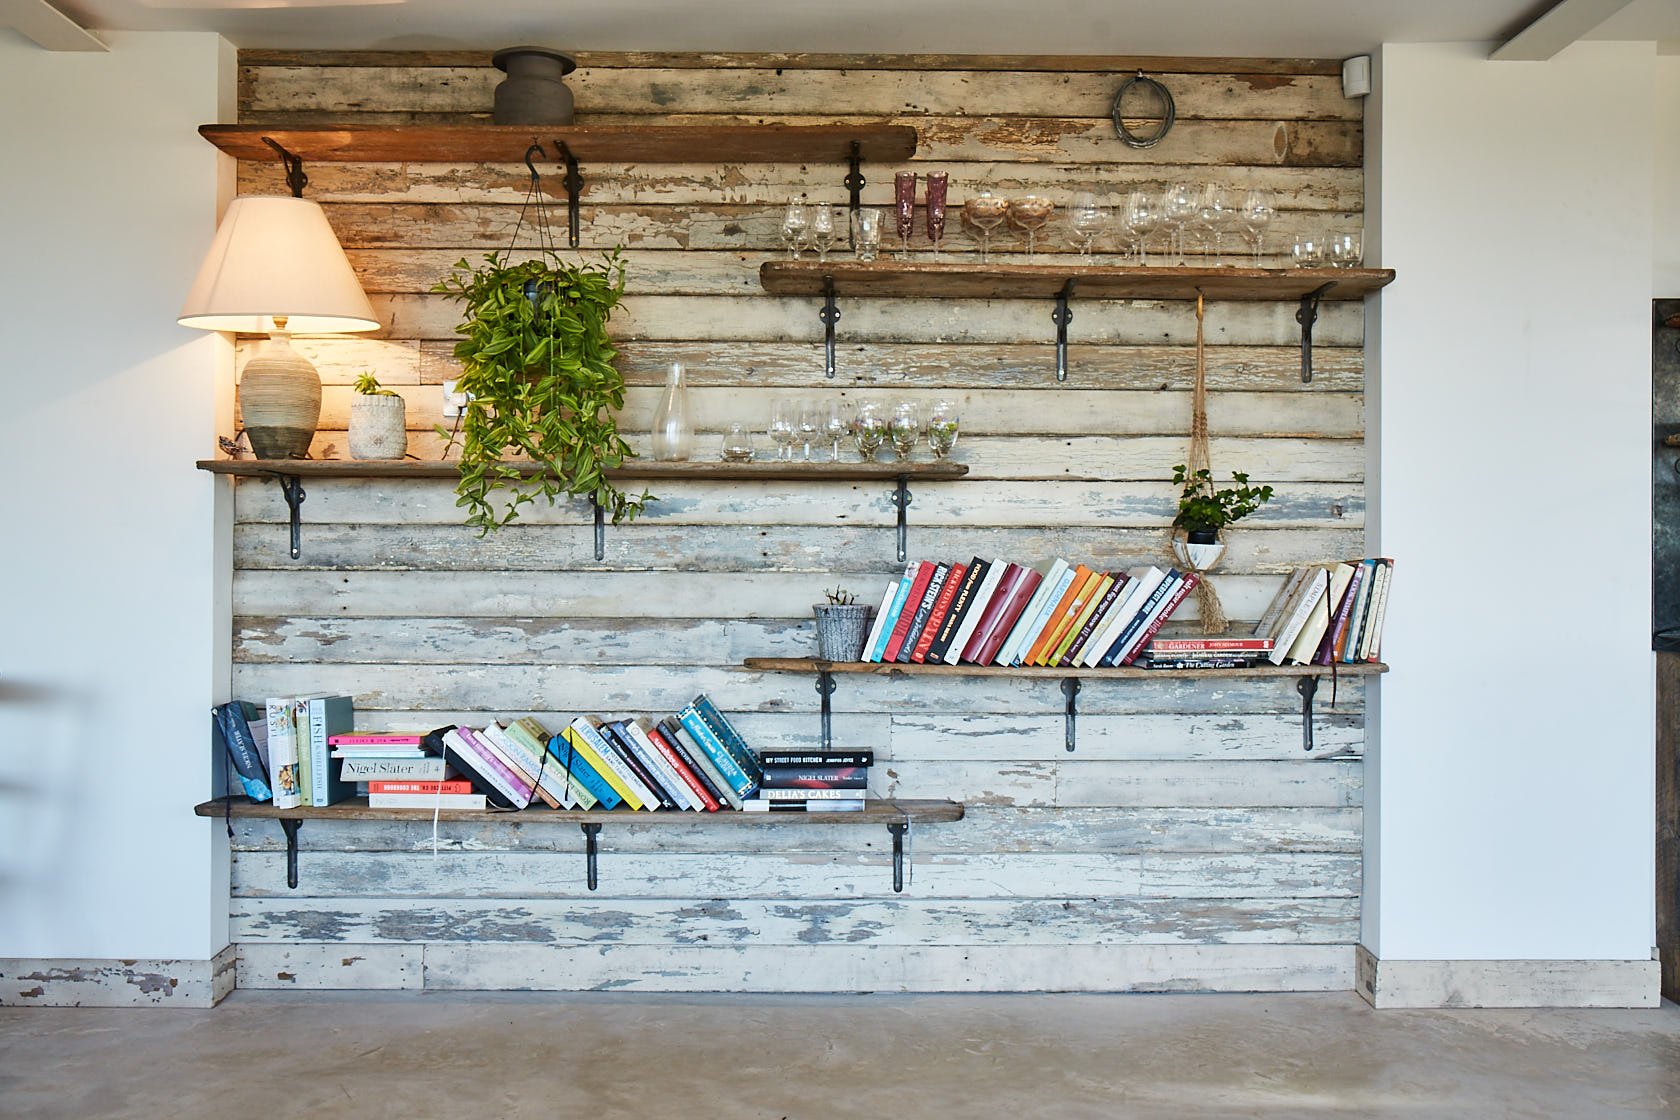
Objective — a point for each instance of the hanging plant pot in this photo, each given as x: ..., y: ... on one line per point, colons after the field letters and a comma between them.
x: 1198, y: 554
x: 841, y: 630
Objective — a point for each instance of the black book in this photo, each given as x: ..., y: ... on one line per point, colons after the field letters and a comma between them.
x: 615, y: 739
x: 230, y: 725
x: 819, y: 758
x: 977, y: 569
x: 816, y: 777
x: 1139, y: 620
x: 924, y: 610
x: 667, y: 729
x: 466, y: 766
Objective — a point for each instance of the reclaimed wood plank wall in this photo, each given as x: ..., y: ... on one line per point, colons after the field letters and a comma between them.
x: 1188, y: 844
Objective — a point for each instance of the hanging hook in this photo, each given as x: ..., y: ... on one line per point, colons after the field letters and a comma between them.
x: 532, y: 167
x: 295, y: 178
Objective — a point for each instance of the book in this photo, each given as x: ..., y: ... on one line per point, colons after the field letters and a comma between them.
x: 325, y: 716
x: 546, y: 785
x: 907, y: 611
x: 984, y: 593
x: 774, y: 794
x: 699, y: 798
x: 299, y: 722
x: 879, y: 624
x: 941, y: 608
x: 395, y: 754
x: 961, y: 601
x: 728, y: 736
x: 506, y: 767
x: 1273, y: 618
x: 559, y: 747
x: 753, y: 805
x: 678, y: 736
x: 452, y: 785
x: 1026, y: 586
x: 673, y: 790
x: 1059, y: 615
x: 889, y: 619
x: 1079, y: 630
x: 924, y: 611
x: 1356, y: 617
x: 394, y: 769
x: 1145, y: 662
x: 375, y: 739
x: 1132, y: 597
x: 1370, y: 646
x: 707, y: 741
x: 1155, y: 586
x: 1305, y: 647
x: 1200, y: 646
x: 283, y: 754
x: 1330, y: 647
x: 1026, y: 625
x: 528, y: 739
x: 816, y: 777
x: 1081, y: 643
x: 818, y: 758
x: 589, y: 744
x: 426, y: 801
x: 990, y: 602
x: 1312, y: 589
x: 1186, y: 584
x: 230, y: 725
x: 662, y: 798
x: 498, y: 787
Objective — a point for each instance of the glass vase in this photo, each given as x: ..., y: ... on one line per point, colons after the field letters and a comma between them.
x: 673, y: 435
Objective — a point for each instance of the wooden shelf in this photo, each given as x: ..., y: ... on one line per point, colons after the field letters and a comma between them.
x: 973, y: 280
x: 875, y: 811
x: 648, y: 469
x: 1128, y: 672
x: 486, y: 143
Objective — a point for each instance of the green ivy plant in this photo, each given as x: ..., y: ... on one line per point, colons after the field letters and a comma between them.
x: 537, y: 367
x: 1203, y: 508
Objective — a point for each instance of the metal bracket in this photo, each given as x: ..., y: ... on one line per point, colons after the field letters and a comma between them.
x: 1307, y: 315
x: 591, y: 830
x: 290, y: 828
x: 830, y: 315
x: 574, y: 186
x: 600, y: 529
x: 854, y: 180
x: 1062, y: 316
x: 901, y: 850
x: 1070, y: 689
x: 292, y: 487
x: 295, y: 178
x: 900, y: 497
x: 825, y: 689
x: 1307, y: 687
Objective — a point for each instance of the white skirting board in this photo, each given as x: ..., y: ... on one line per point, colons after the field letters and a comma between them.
x: 1393, y: 984
x: 116, y: 983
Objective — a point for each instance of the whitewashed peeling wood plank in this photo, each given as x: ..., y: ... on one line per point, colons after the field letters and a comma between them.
x: 1308, y: 875
x: 754, y: 922
x: 1226, y: 737
x: 304, y: 967
x: 104, y: 982
x: 1125, y: 784
x: 1091, y: 968
x: 982, y: 829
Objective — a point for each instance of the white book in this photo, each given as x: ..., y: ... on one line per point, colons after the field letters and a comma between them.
x: 880, y: 621
x: 1045, y: 610
x: 551, y: 778
x: 1307, y: 641
x: 1313, y: 587
x: 1277, y: 610
x: 283, y: 755
x: 394, y: 770
x: 585, y: 727
x: 1170, y: 585
x: 751, y: 805
x: 1012, y: 644
x: 1370, y: 642
x: 490, y: 770
x: 661, y: 769
x: 1125, y: 609
x: 982, y: 599
x: 426, y: 801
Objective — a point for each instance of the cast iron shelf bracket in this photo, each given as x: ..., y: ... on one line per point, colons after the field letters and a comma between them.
x: 591, y: 830
x: 830, y: 315
x: 600, y: 530
x: 574, y: 186
x: 900, y: 497
x: 292, y: 487
x: 1062, y: 316
x: 901, y: 849
x: 1307, y: 315
x: 290, y: 827
x: 1307, y: 687
x: 1070, y: 689
x: 854, y: 180
x: 825, y: 689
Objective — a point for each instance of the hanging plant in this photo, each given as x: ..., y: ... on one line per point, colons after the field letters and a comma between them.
x: 537, y: 368
x: 1204, y: 510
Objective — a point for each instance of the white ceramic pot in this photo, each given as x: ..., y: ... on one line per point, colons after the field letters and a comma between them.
x: 1198, y: 556
x: 378, y: 427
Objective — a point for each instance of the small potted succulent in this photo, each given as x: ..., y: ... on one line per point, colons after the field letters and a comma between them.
x: 378, y: 421
x: 842, y: 625
x: 1204, y: 511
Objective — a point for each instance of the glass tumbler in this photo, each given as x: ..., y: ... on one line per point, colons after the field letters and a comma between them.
x: 866, y: 234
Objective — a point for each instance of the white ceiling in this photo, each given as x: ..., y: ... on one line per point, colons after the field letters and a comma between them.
x: 1251, y: 28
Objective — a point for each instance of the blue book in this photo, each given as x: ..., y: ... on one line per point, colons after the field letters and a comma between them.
x: 707, y: 741
x: 583, y: 773
x: 879, y: 649
x: 730, y: 738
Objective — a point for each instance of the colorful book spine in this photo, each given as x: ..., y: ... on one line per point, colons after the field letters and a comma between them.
x: 1186, y: 584
x: 1058, y: 612
x: 1305, y: 647
x: 708, y: 741
x: 1111, y: 593
x: 453, y: 785
x: 807, y: 794
x: 698, y: 796
x: 818, y: 758
x: 616, y: 742
x: 973, y: 575
x: 1313, y: 588
x: 912, y: 602
x: 1025, y: 588
x: 699, y: 761
x: 924, y: 611
x: 675, y: 790
x: 588, y: 742
x: 889, y: 622
x: 492, y: 774
x: 941, y: 608
x: 299, y: 719
x: 432, y: 801
x: 728, y: 736
x: 327, y: 716
x: 561, y: 749
x: 816, y: 777
x: 506, y: 767
x: 1063, y: 648
x: 1199, y: 646
x: 229, y: 725
x: 984, y: 593
x: 1370, y: 642
x: 1026, y: 626
x: 1144, y: 606
x: 880, y: 623
x: 562, y: 791
x: 393, y: 769
x: 375, y: 739
x: 756, y: 806
x: 283, y: 754
x: 538, y: 777
x: 1126, y: 608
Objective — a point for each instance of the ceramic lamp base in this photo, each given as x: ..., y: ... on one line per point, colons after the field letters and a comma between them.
x: 279, y: 400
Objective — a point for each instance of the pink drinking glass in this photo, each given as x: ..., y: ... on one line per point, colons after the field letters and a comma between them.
x: 936, y: 181
x: 904, y: 191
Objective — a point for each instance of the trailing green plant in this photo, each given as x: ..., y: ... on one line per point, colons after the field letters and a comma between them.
x: 368, y: 386
x: 1203, y: 508
x: 537, y: 368
x: 840, y: 597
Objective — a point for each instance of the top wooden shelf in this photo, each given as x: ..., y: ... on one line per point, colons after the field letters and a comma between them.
x: 973, y: 280
x: 476, y: 143
x: 649, y: 469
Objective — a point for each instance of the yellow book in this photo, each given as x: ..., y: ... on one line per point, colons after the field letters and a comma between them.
x: 1079, y: 621
x: 599, y: 765
x: 1081, y: 594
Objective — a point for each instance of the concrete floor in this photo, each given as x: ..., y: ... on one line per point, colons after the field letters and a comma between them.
x: 367, y: 1055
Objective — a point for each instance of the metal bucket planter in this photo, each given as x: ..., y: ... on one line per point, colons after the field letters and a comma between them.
x: 841, y: 630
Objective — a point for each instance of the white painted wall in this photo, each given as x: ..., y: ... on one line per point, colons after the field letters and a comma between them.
x: 1513, y: 775
x: 113, y: 624
x: 1665, y: 246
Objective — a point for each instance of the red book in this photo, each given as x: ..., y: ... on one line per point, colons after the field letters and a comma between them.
x: 990, y: 613
x: 448, y: 785
x: 911, y: 601
x: 1191, y: 579
x: 941, y: 607
x: 375, y: 739
x: 1018, y: 599
x: 646, y: 727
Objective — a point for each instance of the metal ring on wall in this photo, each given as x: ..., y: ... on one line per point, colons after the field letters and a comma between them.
x: 1169, y: 114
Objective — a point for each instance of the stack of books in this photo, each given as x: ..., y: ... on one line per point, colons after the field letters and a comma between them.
x: 1328, y: 614
x: 1204, y: 653
x: 396, y: 773
x: 812, y: 781
x: 999, y: 613
x: 297, y: 749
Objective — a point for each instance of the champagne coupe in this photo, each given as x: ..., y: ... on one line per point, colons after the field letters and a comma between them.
x: 1179, y: 204
x: 1345, y: 250
x: 1308, y: 251
x: 936, y: 183
x: 809, y: 424
x: 837, y: 423
x: 737, y: 444
x: 942, y: 428
x: 1029, y: 214
x: 904, y: 195
x: 985, y: 212
x: 1258, y: 210
x: 822, y: 230
x: 784, y: 423
x: 905, y: 428
x: 1087, y: 220
x: 869, y: 429
x: 794, y: 224
x: 1143, y: 217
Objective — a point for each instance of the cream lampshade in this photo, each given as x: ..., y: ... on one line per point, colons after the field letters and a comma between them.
x: 276, y: 267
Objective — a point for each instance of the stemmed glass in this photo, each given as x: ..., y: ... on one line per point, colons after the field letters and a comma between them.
x: 985, y: 212
x: 936, y: 183
x: 1212, y: 213
x: 942, y: 428
x: 904, y: 194
x: 809, y: 424
x: 1029, y: 214
x: 822, y: 230
x: 1344, y: 250
x: 869, y: 429
x: 1257, y: 213
x: 1087, y: 219
x: 905, y: 428
x: 1179, y: 204
x: 794, y: 224
x: 1143, y: 217
x: 784, y: 423
x: 837, y: 422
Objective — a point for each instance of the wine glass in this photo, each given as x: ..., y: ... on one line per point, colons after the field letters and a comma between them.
x: 1087, y: 220
x: 809, y: 425
x: 985, y: 212
x: 905, y: 428
x: 1345, y: 250
x: 737, y: 444
x: 1143, y: 217
x: 1257, y: 213
x: 869, y: 429
x: 1179, y: 204
x: 1029, y: 214
x: 942, y: 428
x: 784, y: 423
x: 794, y: 224
x: 822, y: 230
x: 1308, y: 251
x: 936, y: 183
x: 837, y: 422
x: 904, y: 195
x: 1212, y: 213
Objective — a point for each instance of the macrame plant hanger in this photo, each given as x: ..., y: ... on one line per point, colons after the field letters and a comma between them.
x: 1207, y: 599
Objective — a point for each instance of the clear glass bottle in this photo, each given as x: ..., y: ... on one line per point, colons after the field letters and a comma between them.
x: 673, y: 435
